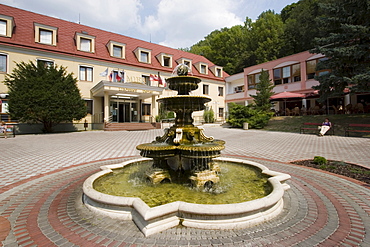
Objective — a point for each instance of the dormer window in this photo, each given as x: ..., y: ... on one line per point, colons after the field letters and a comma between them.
x: 165, y: 59
x: 216, y: 70
x: 6, y: 26
x: 85, y: 42
x: 45, y: 34
x: 116, y: 49
x: 185, y: 61
x: 143, y: 55
x: 202, y: 68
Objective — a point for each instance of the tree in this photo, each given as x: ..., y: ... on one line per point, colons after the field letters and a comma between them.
x: 267, y: 34
x: 301, y: 26
x: 264, y: 92
x: 345, y: 42
x: 44, y: 94
x: 228, y: 47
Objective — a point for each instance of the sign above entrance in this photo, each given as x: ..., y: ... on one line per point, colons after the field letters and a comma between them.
x: 136, y: 90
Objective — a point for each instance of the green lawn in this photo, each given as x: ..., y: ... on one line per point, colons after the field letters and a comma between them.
x: 293, y: 123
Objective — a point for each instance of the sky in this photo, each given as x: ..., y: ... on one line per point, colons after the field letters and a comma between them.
x: 172, y: 23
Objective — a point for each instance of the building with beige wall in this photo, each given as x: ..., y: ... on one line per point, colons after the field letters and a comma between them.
x: 119, y: 77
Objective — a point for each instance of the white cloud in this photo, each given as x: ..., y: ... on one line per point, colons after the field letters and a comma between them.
x: 179, y: 23
x: 174, y: 23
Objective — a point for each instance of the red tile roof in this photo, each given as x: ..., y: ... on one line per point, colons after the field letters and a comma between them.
x: 23, y: 36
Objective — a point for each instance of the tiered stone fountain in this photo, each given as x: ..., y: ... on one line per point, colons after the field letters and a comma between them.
x: 183, y: 148
x: 185, y: 155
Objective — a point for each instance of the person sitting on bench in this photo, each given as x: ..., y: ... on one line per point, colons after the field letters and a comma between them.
x: 326, y: 125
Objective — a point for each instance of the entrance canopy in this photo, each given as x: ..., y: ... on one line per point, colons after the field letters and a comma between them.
x: 138, y: 90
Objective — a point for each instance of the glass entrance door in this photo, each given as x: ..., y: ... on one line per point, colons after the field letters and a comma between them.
x: 123, y: 112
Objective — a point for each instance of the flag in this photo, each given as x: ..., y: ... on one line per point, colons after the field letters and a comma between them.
x: 118, y: 77
x: 122, y: 75
x: 153, y: 78
x: 104, y: 73
x: 110, y: 76
x: 161, y: 82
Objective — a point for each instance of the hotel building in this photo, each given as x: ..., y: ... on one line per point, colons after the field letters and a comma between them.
x: 119, y: 77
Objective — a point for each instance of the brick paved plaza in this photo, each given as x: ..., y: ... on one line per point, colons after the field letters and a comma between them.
x: 41, y: 178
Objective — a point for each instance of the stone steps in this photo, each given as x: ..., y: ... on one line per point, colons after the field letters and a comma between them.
x: 128, y: 126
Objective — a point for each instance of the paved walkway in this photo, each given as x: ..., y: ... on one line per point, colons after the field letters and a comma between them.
x: 41, y: 178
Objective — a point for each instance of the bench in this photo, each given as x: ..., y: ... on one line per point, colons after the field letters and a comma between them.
x: 314, y: 126
x: 359, y: 128
x: 10, y: 130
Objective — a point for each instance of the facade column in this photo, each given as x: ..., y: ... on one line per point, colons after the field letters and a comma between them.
x: 154, y: 109
x: 347, y: 99
x: 106, y: 106
x: 304, y: 103
x: 303, y: 75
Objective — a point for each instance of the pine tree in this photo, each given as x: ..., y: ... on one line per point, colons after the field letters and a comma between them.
x: 44, y: 94
x: 346, y: 41
x: 264, y: 92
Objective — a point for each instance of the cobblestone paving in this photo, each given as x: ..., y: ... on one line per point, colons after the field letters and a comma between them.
x: 41, y: 179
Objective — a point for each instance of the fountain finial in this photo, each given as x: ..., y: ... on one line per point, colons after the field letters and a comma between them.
x: 182, y: 69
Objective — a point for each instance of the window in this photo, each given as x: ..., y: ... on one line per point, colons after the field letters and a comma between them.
x: 3, y: 25
x: 220, y: 91
x: 221, y: 112
x: 143, y: 55
x: 46, y: 63
x: 311, y: 68
x: 86, y: 73
x: 239, y: 89
x: 216, y: 70
x: 253, y: 80
x: 187, y: 62
x: 146, y: 109
x: 116, y: 49
x: 287, y: 74
x: 6, y: 25
x: 205, y: 89
x: 89, y: 106
x: 219, y: 72
x: 146, y: 79
x: 202, y: 67
x: 165, y: 59
x: 45, y: 34
x: 85, y: 42
x: 3, y: 63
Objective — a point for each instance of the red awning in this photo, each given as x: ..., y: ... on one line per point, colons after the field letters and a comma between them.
x: 287, y: 95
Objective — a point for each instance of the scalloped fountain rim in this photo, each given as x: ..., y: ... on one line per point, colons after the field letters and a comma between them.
x: 205, y: 216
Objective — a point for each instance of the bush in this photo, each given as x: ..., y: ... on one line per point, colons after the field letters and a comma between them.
x: 239, y: 114
x: 209, y: 116
x: 320, y: 160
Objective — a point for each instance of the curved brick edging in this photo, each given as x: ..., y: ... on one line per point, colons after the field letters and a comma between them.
x: 320, y: 208
x: 4, y: 228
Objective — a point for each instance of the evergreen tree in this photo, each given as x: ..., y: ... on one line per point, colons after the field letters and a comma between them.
x: 345, y: 42
x: 44, y: 94
x: 264, y: 92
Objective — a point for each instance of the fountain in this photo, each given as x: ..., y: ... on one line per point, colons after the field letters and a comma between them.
x: 183, y: 148
x: 185, y: 155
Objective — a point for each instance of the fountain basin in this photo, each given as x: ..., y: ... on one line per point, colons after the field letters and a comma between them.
x: 205, y: 216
